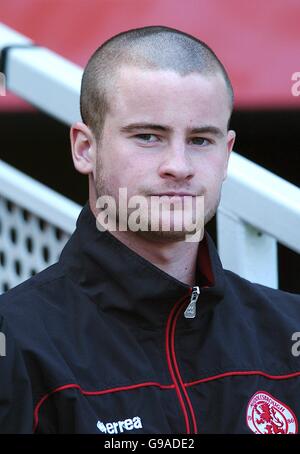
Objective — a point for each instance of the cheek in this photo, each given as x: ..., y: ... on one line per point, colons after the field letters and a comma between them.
x: 211, y: 176
x: 122, y: 172
x: 212, y: 169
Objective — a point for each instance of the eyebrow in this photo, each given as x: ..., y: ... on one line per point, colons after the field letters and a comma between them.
x: 156, y: 127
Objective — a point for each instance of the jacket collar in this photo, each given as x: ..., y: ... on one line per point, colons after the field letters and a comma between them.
x: 124, y: 284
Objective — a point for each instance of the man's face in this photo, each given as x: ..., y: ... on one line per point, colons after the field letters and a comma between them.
x: 179, y: 143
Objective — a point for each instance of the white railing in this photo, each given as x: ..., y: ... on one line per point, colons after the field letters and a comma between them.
x: 35, y: 223
x: 257, y: 210
x: 41, y: 77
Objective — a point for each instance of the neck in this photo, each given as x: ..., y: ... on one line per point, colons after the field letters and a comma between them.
x: 178, y: 258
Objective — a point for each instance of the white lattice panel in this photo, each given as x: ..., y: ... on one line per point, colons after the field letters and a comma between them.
x: 28, y: 244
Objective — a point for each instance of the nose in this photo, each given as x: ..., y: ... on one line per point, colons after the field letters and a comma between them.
x: 176, y: 164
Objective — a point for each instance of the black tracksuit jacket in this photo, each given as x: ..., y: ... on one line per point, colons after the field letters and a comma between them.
x: 99, y: 343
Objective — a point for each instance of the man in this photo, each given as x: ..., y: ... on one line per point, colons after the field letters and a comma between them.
x: 138, y: 329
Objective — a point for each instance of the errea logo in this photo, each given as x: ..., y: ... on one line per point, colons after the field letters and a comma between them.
x: 120, y: 426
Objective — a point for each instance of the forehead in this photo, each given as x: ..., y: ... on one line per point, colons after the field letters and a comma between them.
x: 166, y: 94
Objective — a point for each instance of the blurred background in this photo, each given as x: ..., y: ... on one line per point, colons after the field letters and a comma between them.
x: 258, y: 43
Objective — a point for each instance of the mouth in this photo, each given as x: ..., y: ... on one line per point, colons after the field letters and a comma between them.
x: 174, y: 194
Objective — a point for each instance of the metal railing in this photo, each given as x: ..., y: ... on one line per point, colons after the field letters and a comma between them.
x: 35, y: 223
x: 257, y: 210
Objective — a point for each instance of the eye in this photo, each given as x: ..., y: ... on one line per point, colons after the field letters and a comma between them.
x: 200, y: 141
x: 146, y: 137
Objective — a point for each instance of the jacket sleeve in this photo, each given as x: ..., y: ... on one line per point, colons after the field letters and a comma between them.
x: 16, y: 403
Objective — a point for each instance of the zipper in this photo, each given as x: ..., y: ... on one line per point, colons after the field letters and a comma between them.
x: 184, y: 400
x: 190, y: 311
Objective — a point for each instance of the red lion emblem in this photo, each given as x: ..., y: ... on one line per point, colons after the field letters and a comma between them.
x: 267, y: 415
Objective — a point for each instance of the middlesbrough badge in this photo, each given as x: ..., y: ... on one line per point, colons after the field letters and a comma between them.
x: 267, y: 415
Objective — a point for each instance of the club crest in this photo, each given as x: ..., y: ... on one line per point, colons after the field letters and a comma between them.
x: 268, y: 415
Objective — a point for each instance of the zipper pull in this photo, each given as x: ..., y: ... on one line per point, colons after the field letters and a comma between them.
x: 190, y: 311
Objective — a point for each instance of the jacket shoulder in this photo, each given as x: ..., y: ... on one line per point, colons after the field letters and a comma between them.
x: 24, y: 291
x: 239, y: 281
x: 262, y: 298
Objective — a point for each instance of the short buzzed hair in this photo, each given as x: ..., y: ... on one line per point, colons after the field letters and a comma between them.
x: 154, y: 47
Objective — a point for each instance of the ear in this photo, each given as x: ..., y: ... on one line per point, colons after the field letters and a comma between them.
x: 83, y: 148
x: 229, y: 146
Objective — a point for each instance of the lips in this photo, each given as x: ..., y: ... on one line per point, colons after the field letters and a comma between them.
x: 175, y: 194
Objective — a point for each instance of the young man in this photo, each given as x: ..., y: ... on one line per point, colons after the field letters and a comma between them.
x: 138, y: 329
